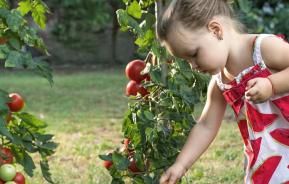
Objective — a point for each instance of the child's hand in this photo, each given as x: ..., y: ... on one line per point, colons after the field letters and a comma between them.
x: 258, y: 90
x: 173, y: 174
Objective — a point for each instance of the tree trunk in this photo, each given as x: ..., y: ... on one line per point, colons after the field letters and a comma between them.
x: 115, y: 28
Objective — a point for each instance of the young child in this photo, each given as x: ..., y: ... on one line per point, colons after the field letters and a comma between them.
x: 249, y: 73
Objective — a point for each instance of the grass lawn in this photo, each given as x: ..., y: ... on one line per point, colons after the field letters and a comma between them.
x: 84, y: 111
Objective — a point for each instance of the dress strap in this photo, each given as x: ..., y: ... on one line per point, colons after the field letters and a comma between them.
x: 257, y: 56
x: 220, y: 84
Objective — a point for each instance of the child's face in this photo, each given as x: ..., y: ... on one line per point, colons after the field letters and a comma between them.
x: 201, y: 48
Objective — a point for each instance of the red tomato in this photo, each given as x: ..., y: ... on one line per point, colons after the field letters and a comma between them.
x: 2, y: 182
x: 133, y: 167
x: 3, y: 40
x: 6, y: 156
x: 132, y: 88
x: 19, y: 178
x: 107, y: 164
x: 133, y: 71
x: 16, y: 103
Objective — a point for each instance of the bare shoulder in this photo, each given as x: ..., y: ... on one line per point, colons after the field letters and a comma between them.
x: 214, y: 93
x: 275, y: 52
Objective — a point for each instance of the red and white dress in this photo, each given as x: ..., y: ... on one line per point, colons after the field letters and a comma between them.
x: 264, y: 126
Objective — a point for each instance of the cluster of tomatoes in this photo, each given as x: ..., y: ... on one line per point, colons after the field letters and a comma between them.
x: 130, y: 152
x: 8, y: 172
x: 134, y: 87
x: 133, y: 72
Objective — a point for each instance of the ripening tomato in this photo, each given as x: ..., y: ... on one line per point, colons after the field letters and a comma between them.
x: 107, y: 164
x: 16, y: 103
x: 132, y: 166
x: 133, y: 71
x: 19, y: 178
x: 6, y: 156
x: 132, y: 88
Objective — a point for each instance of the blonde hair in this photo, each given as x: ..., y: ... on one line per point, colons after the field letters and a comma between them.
x: 194, y: 14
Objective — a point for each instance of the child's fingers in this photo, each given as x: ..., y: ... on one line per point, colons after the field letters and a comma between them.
x: 252, y: 92
x: 173, y: 180
x: 164, y: 178
x: 251, y: 83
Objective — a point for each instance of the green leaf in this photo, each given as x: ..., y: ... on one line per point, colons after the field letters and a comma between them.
x: 4, y: 131
x: 4, y: 51
x: 48, y: 146
x: 15, y: 43
x: 106, y: 157
x: 245, y: 5
x: 120, y: 161
x: 29, y: 165
x: 149, y: 115
x: 38, y: 13
x: 24, y: 7
x: 44, y: 137
x: 156, y: 75
x: 4, y: 98
x: 15, y: 20
x: 147, y: 179
x: 43, y: 69
x: 29, y: 146
x: 146, y: 39
x: 45, y: 171
x: 4, y: 4
x: 15, y: 59
x: 31, y: 120
x: 134, y: 9
x: 128, y: 22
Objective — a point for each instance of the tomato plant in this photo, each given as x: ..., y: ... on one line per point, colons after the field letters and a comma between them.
x: 22, y: 133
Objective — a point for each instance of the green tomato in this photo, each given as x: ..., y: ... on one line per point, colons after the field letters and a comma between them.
x: 7, y: 172
x: 10, y: 182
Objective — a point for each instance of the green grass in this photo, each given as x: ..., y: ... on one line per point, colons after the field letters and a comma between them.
x: 84, y: 111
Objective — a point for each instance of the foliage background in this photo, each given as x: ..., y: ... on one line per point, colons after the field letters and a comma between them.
x: 86, y: 32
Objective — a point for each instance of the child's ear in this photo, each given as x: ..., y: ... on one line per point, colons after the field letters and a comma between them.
x: 216, y: 28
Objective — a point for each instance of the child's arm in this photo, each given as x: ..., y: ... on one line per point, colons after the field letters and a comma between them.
x: 201, y: 135
x: 275, y: 53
